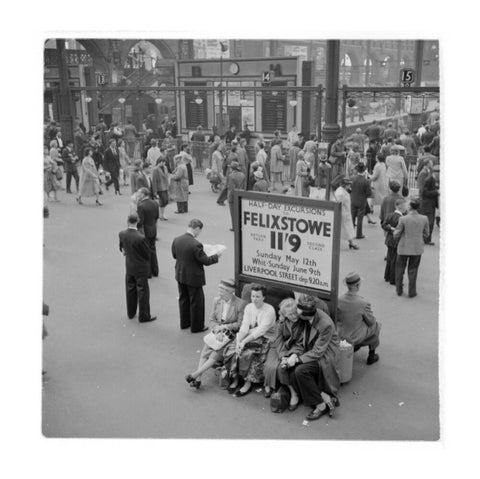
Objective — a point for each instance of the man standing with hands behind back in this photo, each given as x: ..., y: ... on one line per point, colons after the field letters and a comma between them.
x: 137, y: 261
x: 190, y: 276
x: 147, y: 210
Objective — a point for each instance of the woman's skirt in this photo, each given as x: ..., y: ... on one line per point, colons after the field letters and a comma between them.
x: 249, y: 364
x: 163, y: 198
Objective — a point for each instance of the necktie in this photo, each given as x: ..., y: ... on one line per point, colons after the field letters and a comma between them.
x: 307, y: 335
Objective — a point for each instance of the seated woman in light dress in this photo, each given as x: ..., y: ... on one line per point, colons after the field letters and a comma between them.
x: 245, y: 357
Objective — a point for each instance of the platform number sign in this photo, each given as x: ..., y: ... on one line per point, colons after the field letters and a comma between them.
x: 407, y: 77
x: 266, y: 78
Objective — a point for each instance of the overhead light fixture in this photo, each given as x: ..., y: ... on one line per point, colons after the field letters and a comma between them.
x: 121, y: 100
x: 293, y: 102
x: 88, y: 99
x: 198, y: 100
x: 158, y: 101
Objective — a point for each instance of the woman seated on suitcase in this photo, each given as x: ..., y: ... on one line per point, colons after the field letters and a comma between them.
x: 225, y: 320
x: 288, y: 341
x: 246, y: 355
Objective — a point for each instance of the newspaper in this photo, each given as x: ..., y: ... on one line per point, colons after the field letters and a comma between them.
x: 211, y: 249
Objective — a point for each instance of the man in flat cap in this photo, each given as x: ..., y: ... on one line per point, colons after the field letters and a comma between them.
x: 355, y: 320
x: 313, y: 370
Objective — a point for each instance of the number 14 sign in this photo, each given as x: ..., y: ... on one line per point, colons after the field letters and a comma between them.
x: 407, y: 76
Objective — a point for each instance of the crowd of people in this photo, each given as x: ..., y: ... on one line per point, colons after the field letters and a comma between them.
x: 289, y: 345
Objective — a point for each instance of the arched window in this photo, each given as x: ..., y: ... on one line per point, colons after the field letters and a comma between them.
x: 143, y: 55
x: 345, y: 69
x: 368, y: 70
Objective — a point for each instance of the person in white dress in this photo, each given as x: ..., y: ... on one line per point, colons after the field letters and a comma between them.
x: 341, y: 195
x: 379, y: 181
x: 396, y: 168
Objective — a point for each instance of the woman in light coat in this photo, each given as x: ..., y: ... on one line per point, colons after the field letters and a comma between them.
x: 341, y: 195
x: 50, y: 183
x: 179, y: 184
x: 396, y: 168
x: 89, y: 180
x: 379, y: 180
x: 301, y: 175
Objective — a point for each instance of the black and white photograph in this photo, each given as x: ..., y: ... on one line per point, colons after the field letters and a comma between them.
x: 242, y: 246
x: 241, y: 229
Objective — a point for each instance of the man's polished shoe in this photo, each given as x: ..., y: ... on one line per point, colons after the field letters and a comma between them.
x: 201, y: 330
x: 412, y: 295
x: 431, y: 243
x: 316, y: 414
x: 372, y: 359
x: 152, y: 318
x: 360, y: 237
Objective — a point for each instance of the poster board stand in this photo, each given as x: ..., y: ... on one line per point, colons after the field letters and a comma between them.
x: 288, y: 242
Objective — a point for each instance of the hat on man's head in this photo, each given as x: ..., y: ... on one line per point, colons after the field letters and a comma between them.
x: 307, y: 305
x: 258, y: 174
x: 234, y: 165
x: 352, y: 278
x: 227, y: 284
x: 138, y: 164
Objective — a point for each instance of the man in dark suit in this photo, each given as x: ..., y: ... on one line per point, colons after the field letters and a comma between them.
x: 235, y: 181
x: 143, y: 179
x: 190, y: 276
x: 70, y: 160
x: 389, y: 225
x: 360, y: 192
x: 429, y: 201
x: 112, y: 165
x: 135, y: 248
x: 388, y: 203
x: 147, y: 210
x: 411, y: 233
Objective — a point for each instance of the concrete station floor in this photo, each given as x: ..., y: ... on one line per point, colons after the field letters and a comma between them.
x: 111, y: 377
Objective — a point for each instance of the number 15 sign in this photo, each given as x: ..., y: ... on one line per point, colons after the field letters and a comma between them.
x: 288, y: 241
x: 407, y: 76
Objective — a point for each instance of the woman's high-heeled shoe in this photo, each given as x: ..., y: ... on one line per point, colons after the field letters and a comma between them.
x: 79, y: 201
x: 98, y: 203
x: 190, y: 380
x: 353, y: 246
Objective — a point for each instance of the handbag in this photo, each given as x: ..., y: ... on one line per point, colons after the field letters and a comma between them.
x: 332, y: 159
x: 405, y: 191
x: 216, y: 344
x: 280, y: 399
x: 58, y: 174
